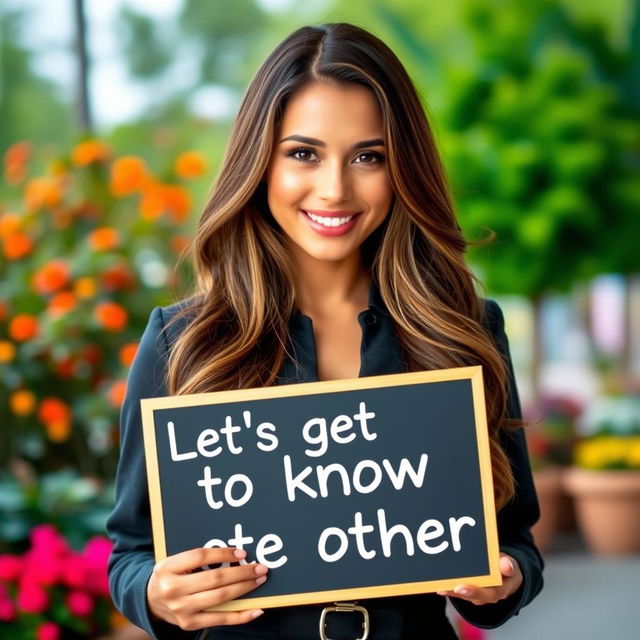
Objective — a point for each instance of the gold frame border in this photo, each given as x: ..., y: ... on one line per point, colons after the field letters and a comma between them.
x: 474, y: 374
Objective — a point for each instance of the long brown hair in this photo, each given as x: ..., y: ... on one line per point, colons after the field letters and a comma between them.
x: 243, y: 298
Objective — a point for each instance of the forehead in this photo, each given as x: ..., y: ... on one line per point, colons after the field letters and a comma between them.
x: 328, y: 109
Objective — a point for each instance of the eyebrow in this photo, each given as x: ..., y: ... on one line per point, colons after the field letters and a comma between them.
x: 374, y: 142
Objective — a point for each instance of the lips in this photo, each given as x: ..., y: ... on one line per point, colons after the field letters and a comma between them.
x: 330, y: 223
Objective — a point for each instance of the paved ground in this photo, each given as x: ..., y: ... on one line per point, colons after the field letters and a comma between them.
x: 584, y: 598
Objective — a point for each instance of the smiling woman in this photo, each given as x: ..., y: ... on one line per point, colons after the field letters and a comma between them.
x: 329, y: 248
x: 329, y: 195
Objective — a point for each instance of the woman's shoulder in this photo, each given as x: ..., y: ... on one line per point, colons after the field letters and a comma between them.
x: 175, y: 317
x: 492, y: 317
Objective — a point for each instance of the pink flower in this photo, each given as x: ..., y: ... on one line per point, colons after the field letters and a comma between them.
x: 96, y: 554
x: 469, y: 632
x: 75, y: 571
x: 32, y: 598
x: 10, y: 567
x: 48, y: 631
x: 97, y: 551
x: 7, y: 608
x: 42, y: 567
x: 45, y: 537
x: 80, y: 604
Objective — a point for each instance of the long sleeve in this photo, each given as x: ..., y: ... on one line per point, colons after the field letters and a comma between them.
x: 517, y: 517
x: 129, y: 525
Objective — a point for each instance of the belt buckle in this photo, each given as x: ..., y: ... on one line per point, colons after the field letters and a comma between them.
x: 342, y: 607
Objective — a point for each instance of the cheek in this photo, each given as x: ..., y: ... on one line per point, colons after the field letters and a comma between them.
x: 285, y: 185
x: 380, y: 194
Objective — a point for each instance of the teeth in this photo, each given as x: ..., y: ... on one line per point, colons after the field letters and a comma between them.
x: 328, y: 222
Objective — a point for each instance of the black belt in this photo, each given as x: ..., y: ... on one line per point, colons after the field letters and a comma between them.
x: 341, y: 621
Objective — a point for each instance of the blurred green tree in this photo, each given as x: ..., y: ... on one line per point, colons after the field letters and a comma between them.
x: 222, y: 40
x: 536, y: 112
x: 29, y: 104
x: 542, y: 140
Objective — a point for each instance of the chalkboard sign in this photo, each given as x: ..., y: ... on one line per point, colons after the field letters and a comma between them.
x: 346, y: 489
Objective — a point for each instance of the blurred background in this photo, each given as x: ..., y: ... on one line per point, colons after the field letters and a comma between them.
x: 113, y: 120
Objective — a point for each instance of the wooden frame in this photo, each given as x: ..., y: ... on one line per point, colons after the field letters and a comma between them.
x: 473, y: 374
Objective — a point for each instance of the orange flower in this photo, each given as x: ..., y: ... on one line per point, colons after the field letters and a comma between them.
x: 117, y: 620
x: 22, y: 402
x: 62, y: 303
x: 54, y: 410
x: 23, y: 327
x: 15, y: 161
x: 58, y: 431
x: 7, y: 351
x: 117, y: 392
x: 9, y: 224
x: 51, y: 277
x: 4, y: 311
x: 104, y: 239
x: 178, y: 202
x: 152, y: 203
x: 16, y: 245
x: 89, y: 151
x: 190, y: 164
x: 111, y: 316
x: 85, y: 287
x: 128, y: 174
x: 128, y: 353
x: 179, y: 243
x: 117, y: 278
x: 42, y: 192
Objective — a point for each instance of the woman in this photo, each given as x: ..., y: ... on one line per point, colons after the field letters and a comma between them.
x: 328, y: 249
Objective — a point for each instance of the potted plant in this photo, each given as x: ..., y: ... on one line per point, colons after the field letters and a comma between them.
x: 605, y: 483
x: 550, y: 438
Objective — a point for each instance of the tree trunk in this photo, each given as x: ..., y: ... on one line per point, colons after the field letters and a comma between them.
x: 83, y: 106
x: 628, y: 346
x: 536, y: 350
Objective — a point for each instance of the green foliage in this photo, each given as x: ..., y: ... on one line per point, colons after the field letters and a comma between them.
x: 538, y: 144
x: 29, y: 104
x: 78, y: 506
x: 145, y: 51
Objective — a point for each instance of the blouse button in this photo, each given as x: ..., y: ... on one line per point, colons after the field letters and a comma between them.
x: 371, y: 318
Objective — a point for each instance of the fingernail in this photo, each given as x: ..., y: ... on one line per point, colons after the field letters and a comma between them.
x: 239, y: 553
x: 257, y: 613
x: 261, y: 580
x: 261, y: 569
x: 462, y: 591
x: 511, y: 566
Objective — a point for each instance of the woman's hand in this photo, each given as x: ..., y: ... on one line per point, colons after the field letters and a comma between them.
x: 511, y: 581
x: 179, y: 594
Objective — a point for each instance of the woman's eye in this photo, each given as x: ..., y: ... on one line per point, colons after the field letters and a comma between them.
x: 369, y: 157
x: 302, y: 154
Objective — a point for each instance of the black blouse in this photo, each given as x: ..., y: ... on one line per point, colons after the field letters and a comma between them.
x: 418, y: 616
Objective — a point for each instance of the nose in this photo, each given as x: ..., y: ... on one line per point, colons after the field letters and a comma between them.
x: 333, y: 183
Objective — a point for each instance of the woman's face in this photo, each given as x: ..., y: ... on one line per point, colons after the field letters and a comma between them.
x: 327, y: 181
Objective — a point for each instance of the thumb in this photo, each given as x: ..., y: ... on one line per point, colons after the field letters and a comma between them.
x: 507, y: 566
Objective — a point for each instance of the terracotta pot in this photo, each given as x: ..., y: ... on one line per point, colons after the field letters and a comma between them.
x: 548, y: 482
x: 607, y: 508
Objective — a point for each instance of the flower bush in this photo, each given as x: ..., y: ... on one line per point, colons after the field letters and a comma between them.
x: 609, y: 452
x: 610, y: 431
x: 551, y: 434
x: 87, y: 246
x: 52, y: 592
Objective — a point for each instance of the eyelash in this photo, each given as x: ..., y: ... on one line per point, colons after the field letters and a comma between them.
x: 378, y: 157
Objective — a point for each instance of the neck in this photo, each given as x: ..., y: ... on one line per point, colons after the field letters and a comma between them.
x: 322, y: 286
